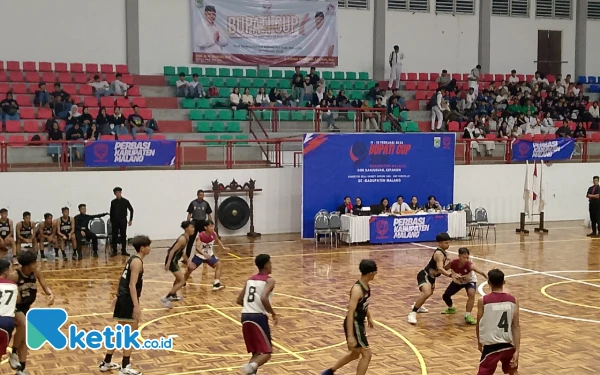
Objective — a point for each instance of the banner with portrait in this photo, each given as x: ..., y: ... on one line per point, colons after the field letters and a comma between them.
x: 274, y: 33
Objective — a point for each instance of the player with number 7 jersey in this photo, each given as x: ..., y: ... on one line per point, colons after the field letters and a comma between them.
x: 255, y: 299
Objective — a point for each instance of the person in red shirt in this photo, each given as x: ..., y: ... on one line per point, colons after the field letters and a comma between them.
x: 205, y: 254
x: 463, y: 276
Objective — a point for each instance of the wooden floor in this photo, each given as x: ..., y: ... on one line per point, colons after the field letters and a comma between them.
x: 556, y: 277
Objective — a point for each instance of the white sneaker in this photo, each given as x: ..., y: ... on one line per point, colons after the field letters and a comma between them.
x: 167, y: 302
x: 109, y: 366
x: 22, y: 372
x: 249, y: 368
x: 412, y: 318
x: 14, y: 362
x: 129, y: 371
x: 218, y: 286
x: 421, y: 310
x: 176, y: 299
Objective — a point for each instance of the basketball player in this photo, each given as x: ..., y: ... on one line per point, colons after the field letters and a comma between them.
x: 26, y: 279
x: 498, y: 328
x: 204, y: 253
x: 66, y: 232
x: 46, y: 234
x: 6, y: 232
x: 426, y: 277
x: 9, y: 297
x: 127, y: 308
x: 176, y: 252
x: 463, y: 276
x: 354, y: 324
x: 25, y: 231
x: 255, y: 299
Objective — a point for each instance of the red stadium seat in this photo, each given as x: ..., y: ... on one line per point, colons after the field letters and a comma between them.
x: 142, y: 137
x: 91, y: 68
x: 107, y: 137
x: 550, y: 136
x: 16, y: 77
x: 521, y: 77
x: 44, y: 113
x: 529, y: 77
x: 65, y: 77
x: 70, y: 89
x: 429, y: 94
x: 110, y: 111
x: 465, y: 77
x: 16, y: 140
x: 32, y: 77
x: 61, y: 67
x: 457, y: 76
x: 29, y: 66
x: 4, y: 88
x: 62, y: 125
x: 433, y: 85
x: 80, y: 78
x: 19, y: 88
x: 94, y: 112
x: 122, y: 102
x: 76, y: 68
x: 572, y: 125
x: 13, y: 66
x: 528, y: 137
x: 123, y: 69
x: 110, y: 77
x: 13, y: 126
x: 86, y: 90
x: 423, y: 76
x: 49, y: 77
x: 3, y: 76
x: 490, y: 136
x: 126, y: 112
x: 453, y: 126
x: 596, y: 136
x: 411, y: 86
x: 23, y: 100
x: 125, y: 137
x: 31, y: 127
x: 158, y: 137
x: 106, y: 68
x: 558, y: 124
x: 544, y: 94
x: 44, y: 66
x: 550, y: 78
x: 134, y: 91
x: 487, y: 77
x: 499, y: 77
x: 90, y: 101
x: 421, y: 95
x: 128, y: 79
x: 1, y: 65
x: 412, y: 105
x: 421, y: 86
x: 411, y: 77
x: 2, y: 138
x: 538, y: 137
x: 433, y: 76
x: 107, y: 101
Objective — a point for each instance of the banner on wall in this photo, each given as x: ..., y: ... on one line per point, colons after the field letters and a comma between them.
x: 130, y: 153
x: 372, y: 167
x: 414, y: 228
x: 274, y: 33
x: 556, y: 149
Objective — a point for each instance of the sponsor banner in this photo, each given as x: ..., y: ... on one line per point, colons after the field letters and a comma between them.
x: 556, y: 149
x: 130, y: 153
x: 407, y: 228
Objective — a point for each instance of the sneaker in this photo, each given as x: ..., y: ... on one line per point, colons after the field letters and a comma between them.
x: 449, y: 310
x: 44, y: 259
x: 167, y: 302
x: 176, y: 299
x: 249, y: 368
x: 129, y: 371
x: 109, y: 366
x: 327, y: 372
x: 113, y: 254
x: 95, y: 254
x: 422, y: 309
x: 412, y: 318
x: 74, y: 257
x: 80, y: 257
x: 22, y: 372
x: 14, y: 362
x: 218, y: 286
x: 124, y: 253
x: 592, y: 234
x: 470, y: 320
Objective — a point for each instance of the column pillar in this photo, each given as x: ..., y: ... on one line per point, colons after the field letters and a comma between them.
x: 132, y: 27
x: 485, y: 34
x: 581, y: 17
x: 379, y: 50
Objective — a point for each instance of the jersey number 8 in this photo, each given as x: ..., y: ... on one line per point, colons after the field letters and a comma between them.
x: 251, y: 294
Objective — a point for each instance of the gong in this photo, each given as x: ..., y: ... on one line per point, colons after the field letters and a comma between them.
x: 234, y: 213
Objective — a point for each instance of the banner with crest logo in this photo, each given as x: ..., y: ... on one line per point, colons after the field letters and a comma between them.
x: 407, y: 228
x: 556, y: 149
x: 130, y: 153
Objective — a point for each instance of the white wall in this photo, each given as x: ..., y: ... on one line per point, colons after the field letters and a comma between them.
x: 64, y: 31
x: 593, y: 54
x: 433, y: 42
x: 159, y: 198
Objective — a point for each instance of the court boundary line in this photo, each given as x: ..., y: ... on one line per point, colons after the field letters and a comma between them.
x: 547, y: 295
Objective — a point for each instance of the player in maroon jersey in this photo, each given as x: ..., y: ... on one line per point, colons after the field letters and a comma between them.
x: 463, y: 276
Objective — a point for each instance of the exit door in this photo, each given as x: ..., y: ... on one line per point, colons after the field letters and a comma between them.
x: 549, y: 56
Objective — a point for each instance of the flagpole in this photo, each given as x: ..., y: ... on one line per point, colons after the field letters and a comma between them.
x: 541, y: 203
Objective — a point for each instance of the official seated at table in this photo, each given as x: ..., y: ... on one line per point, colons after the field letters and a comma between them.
x: 400, y: 206
x: 357, y: 206
x: 414, y: 204
x: 346, y: 207
x: 432, y: 204
x: 385, y: 206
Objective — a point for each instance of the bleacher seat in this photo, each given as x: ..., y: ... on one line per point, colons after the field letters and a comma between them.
x: 48, y: 77
x: 4, y: 88
x: 107, y: 137
x: 218, y: 126
x: 84, y: 90
x: 32, y: 77
x: 29, y: 66
x: 107, y: 101
x: 17, y: 140
x: 61, y: 67
x: 23, y: 100
x: 3, y: 76
x: 76, y: 68
x: 19, y: 88
x: 44, y: 113
x: 581, y: 79
x: 16, y: 77
x: 27, y: 113
x: 188, y: 104
x: 591, y: 79
x: 411, y: 77
x: 80, y: 78
x: 121, y: 68
x: 106, y: 68
x: 453, y: 126
x: 146, y: 113
x: 31, y: 127
x: 158, y: 137
x: 13, y: 126
x: 121, y: 101
x: 13, y: 66
x: 65, y: 77
x: 90, y: 101
x: 91, y: 68
x: 44, y: 66
x: 125, y: 137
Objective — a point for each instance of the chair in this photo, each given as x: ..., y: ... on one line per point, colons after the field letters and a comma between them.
x: 322, y: 226
x: 61, y: 67
x: 91, y: 68
x: 482, y: 220
x: 106, y: 68
x: 335, y: 224
x: 472, y: 225
x: 98, y: 227
x: 45, y: 66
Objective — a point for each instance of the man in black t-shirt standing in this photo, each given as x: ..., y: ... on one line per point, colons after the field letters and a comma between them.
x: 593, y: 194
x: 136, y: 122
x: 118, y: 218
x: 298, y: 86
x: 199, y: 212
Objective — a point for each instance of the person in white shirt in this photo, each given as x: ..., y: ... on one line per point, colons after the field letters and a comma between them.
x: 118, y: 87
x: 101, y: 87
x: 576, y: 90
x: 533, y: 125
x: 536, y: 79
x: 594, y: 112
x: 320, y: 41
x: 436, y: 112
x: 234, y: 98
x: 182, y: 86
x: 547, y: 125
x: 470, y: 99
x: 395, y: 61
x: 474, y: 79
x: 262, y: 99
x: 247, y: 99
x: 400, y: 206
x: 208, y: 36
x: 195, y: 88
x: 513, y: 79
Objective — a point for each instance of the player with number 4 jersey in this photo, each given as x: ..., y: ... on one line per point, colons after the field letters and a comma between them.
x: 255, y: 300
x: 9, y: 297
x: 498, y: 328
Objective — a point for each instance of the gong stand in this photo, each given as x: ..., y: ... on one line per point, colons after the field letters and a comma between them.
x: 233, y: 187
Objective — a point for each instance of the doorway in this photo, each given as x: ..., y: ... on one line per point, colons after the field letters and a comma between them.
x: 549, y: 56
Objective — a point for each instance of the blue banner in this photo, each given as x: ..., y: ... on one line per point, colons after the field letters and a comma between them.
x: 556, y: 149
x: 407, y: 228
x: 130, y: 153
x: 374, y: 166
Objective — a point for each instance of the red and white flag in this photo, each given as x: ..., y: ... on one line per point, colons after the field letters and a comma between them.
x: 527, y: 192
x: 536, y: 187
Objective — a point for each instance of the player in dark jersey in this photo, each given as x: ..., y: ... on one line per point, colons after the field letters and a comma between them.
x: 25, y: 232
x: 426, y: 277
x: 6, y: 233
x: 127, y: 308
x: 354, y: 324
x: 463, y: 276
x: 46, y: 234
x: 9, y: 297
x: 176, y: 252
x: 26, y: 278
x: 65, y: 229
x: 498, y: 328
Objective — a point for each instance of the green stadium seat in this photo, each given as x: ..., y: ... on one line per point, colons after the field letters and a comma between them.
x: 258, y: 83
x: 251, y: 73
x: 327, y: 75
x: 271, y: 83
x: 277, y: 74
x: 218, y: 127
x: 237, y: 72
x: 289, y: 74
x: 188, y: 104
x: 205, y: 81
x: 339, y: 75
x: 360, y: 85
x: 351, y: 115
x: 203, y: 103
x: 351, y: 75
x: 253, y: 92
x: 225, y: 114
x: 196, y: 114
x: 363, y: 76
x: 226, y: 137
x: 285, y: 84
x: 233, y: 127
x: 173, y: 80
x: 241, y: 137
x: 203, y: 127
x: 240, y: 114
x: 334, y: 85
x: 231, y: 82
x: 189, y: 78
x: 263, y: 73
x: 210, y: 114
x: 169, y: 70
x: 347, y: 85
x: 309, y: 115
x: 267, y: 115
x: 284, y: 115
x: 357, y: 95
x: 224, y: 93
x: 224, y: 72
x: 197, y: 70
x: 297, y: 116
x: 183, y: 69
x: 412, y: 126
x: 210, y: 72
x: 211, y: 137
x: 245, y: 82
x: 404, y: 116
x: 386, y: 126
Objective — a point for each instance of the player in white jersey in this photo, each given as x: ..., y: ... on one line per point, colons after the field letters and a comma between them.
x: 204, y: 253
x: 498, y: 328
x: 255, y: 299
x: 9, y: 296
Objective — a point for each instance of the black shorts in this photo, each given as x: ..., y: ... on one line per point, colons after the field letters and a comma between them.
x: 424, y: 278
x: 360, y: 334
x: 199, y: 225
x: 174, y: 267
x: 124, y: 308
x: 23, y: 307
x: 3, y: 236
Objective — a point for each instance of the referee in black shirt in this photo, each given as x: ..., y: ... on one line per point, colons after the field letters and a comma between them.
x: 593, y: 194
x: 118, y: 218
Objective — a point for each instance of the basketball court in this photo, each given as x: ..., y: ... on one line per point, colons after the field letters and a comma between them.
x: 556, y: 278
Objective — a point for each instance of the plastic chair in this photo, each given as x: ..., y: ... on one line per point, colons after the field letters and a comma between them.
x: 322, y: 226
x: 335, y: 224
x: 481, y: 218
x: 98, y: 227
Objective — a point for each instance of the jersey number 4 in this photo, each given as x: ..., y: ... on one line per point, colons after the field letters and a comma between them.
x: 10, y: 296
x: 251, y: 294
x: 503, y: 324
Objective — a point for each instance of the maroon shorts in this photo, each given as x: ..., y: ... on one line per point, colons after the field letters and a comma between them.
x: 257, y: 334
x: 492, y: 354
x: 7, y: 326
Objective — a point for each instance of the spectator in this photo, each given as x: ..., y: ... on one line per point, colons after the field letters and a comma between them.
x: 330, y: 99
x: 42, y: 96
x: 73, y: 118
x: 92, y: 132
x: 10, y: 108
x: 579, y: 131
x: 493, y: 123
x: 286, y: 100
x: 318, y: 96
x: 75, y: 134
x: 182, y: 86
x: 117, y: 123
x: 513, y: 80
x: 547, y: 125
x: 195, y: 88
x: 473, y: 132
x: 536, y: 79
x: 247, y: 99
x: 275, y: 97
x: 503, y: 131
x: 101, y: 88
x: 564, y: 131
x: 85, y: 120
x: 308, y: 90
x: 102, y: 121
x: 60, y: 108
x: 118, y: 87
x: 234, y: 98
x: 435, y: 104
x: 327, y: 116
x: 54, y: 135
x: 501, y: 101
x: 262, y: 99
x: 578, y: 89
x: 342, y: 100
x: 593, y: 115
x: 395, y: 61
x: 374, y: 92
x: 314, y: 78
x: 444, y: 79
x: 379, y: 103
x: 213, y: 91
x: 516, y: 131
x: 470, y: 100
x: 474, y: 79
x: 66, y: 98
x: 393, y: 108
x: 369, y: 117
x: 136, y: 123
x: 297, y: 86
